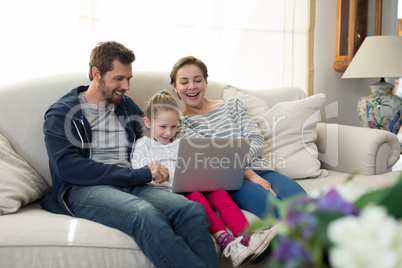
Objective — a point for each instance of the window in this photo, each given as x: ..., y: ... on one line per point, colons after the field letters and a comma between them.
x: 251, y: 44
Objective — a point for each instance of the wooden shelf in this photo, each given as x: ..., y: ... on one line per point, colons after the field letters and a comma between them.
x: 351, y: 31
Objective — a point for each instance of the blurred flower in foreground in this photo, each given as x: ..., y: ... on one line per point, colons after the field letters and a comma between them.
x: 372, y: 240
x: 333, y: 201
x: 340, y: 227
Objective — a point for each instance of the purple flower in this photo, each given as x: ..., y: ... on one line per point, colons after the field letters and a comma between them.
x: 333, y: 201
x: 303, y: 220
x: 289, y: 250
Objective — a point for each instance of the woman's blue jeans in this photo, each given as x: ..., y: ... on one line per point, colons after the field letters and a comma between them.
x: 171, y: 230
x: 255, y: 199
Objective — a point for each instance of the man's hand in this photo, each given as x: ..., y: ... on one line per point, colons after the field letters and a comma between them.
x: 159, y: 172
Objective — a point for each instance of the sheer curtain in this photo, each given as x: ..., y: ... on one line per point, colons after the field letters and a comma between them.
x: 42, y: 37
x: 252, y: 44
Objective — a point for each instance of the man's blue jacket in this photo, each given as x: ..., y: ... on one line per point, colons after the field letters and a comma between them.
x: 68, y: 138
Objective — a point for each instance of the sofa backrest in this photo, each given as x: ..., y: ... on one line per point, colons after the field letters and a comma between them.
x: 23, y: 105
x: 145, y: 84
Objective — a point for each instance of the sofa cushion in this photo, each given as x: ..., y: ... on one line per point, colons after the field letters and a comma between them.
x: 20, y: 184
x: 292, y: 136
x: 254, y: 105
x: 289, y: 131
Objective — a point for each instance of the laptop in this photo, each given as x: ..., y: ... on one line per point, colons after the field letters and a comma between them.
x: 210, y: 164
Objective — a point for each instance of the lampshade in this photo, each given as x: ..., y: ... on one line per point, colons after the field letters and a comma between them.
x: 378, y: 56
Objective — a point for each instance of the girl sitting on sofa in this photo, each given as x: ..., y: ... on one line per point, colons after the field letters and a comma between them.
x: 162, y: 115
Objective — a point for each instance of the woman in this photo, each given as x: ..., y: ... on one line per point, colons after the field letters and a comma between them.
x: 202, y: 117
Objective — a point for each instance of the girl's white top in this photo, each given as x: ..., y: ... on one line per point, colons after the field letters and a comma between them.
x: 147, y: 150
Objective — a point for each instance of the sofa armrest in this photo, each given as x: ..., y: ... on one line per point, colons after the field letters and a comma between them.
x: 351, y: 149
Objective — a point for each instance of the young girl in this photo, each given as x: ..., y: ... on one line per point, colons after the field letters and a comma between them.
x: 161, y: 120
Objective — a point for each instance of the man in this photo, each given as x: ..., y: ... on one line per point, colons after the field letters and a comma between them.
x: 89, y: 134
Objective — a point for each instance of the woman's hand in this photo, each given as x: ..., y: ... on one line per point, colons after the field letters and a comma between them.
x: 159, y: 172
x: 251, y: 176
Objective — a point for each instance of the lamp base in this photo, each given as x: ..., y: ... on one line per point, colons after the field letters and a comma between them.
x: 380, y: 109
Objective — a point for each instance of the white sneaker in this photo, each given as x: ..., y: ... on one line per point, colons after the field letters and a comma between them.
x: 237, y: 252
x: 259, y: 242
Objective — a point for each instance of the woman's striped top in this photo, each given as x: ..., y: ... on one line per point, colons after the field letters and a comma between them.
x: 230, y: 120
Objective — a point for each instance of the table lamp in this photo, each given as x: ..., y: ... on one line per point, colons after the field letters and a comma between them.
x: 378, y: 57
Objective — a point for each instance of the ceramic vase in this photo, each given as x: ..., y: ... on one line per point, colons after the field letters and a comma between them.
x: 380, y: 109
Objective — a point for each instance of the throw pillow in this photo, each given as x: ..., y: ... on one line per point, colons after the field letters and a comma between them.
x: 20, y: 184
x: 289, y: 132
x: 255, y: 106
x: 290, y: 146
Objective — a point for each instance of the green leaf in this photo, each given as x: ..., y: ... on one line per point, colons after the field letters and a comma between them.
x: 275, y: 264
x: 278, y: 209
x: 324, y: 219
x: 372, y: 198
x: 350, y: 177
x: 262, y: 224
x: 390, y: 198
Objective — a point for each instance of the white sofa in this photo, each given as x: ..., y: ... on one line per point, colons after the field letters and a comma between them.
x: 33, y: 237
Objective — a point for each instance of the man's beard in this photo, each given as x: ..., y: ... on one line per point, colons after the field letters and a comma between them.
x: 103, y: 91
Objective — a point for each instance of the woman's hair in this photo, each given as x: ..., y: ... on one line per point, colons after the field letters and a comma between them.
x: 161, y: 102
x: 186, y: 61
x: 103, y: 55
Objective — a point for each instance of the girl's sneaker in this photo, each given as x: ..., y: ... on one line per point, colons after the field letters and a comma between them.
x: 237, y: 252
x: 259, y: 243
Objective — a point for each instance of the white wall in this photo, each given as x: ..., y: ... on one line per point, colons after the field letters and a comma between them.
x: 346, y: 92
